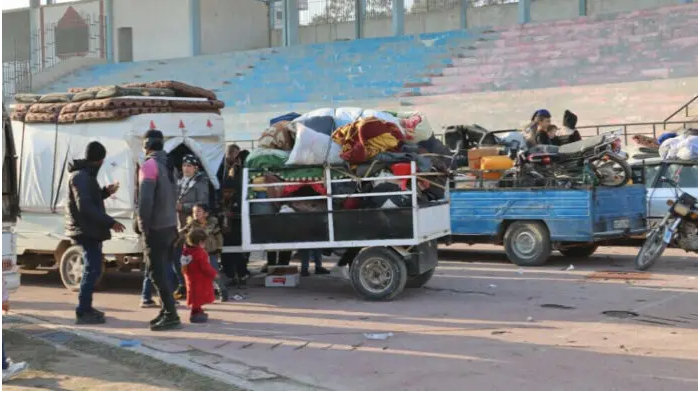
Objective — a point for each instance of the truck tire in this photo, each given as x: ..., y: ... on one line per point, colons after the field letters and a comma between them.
x: 579, y: 251
x: 420, y: 280
x: 71, y: 268
x: 378, y: 273
x: 527, y: 243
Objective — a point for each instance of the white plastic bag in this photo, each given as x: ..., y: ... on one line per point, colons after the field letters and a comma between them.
x: 313, y: 148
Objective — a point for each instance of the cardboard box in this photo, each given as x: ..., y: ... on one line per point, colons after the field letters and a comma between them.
x: 474, y: 156
x: 282, y: 276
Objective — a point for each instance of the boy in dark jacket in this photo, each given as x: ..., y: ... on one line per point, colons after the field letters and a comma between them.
x: 199, y: 274
x: 88, y: 225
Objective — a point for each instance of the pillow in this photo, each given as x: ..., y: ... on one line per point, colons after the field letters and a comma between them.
x: 313, y: 148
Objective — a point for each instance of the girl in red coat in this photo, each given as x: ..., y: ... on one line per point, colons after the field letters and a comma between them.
x: 199, y: 275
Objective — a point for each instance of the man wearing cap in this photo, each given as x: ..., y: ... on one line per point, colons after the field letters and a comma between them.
x: 157, y: 223
x: 88, y: 225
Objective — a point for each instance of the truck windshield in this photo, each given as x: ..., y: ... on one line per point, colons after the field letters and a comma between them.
x: 10, y: 199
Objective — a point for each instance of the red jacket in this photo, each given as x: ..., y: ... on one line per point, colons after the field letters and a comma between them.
x: 199, y: 276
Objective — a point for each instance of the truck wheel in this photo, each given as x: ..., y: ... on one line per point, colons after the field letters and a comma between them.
x: 71, y: 268
x: 579, y: 251
x: 420, y: 280
x: 378, y: 273
x: 527, y: 243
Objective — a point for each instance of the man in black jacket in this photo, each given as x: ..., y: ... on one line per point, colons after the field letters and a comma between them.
x: 88, y: 225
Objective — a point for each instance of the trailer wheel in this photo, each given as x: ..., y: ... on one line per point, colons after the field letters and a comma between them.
x: 378, y: 273
x: 527, y: 243
x: 71, y: 268
x: 420, y: 280
x: 579, y: 251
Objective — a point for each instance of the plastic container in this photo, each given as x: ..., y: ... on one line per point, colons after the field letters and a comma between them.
x: 495, y: 163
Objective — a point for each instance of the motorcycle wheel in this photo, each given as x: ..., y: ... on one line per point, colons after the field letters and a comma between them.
x: 617, y: 180
x: 652, y: 249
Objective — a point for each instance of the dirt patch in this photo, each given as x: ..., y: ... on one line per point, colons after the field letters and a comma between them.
x: 607, y: 275
x: 80, y: 365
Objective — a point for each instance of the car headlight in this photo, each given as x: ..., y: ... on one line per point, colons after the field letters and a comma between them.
x: 681, y: 209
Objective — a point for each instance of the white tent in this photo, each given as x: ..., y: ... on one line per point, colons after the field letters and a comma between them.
x: 45, y: 150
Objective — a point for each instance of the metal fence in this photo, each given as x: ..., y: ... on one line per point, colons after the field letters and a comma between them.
x: 48, y: 48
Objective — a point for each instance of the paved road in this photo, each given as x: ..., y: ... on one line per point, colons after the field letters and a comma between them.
x: 480, y: 324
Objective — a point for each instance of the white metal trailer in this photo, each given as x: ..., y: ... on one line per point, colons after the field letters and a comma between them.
x: 397, y: 245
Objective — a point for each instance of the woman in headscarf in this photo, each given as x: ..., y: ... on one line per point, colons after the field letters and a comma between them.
x: 192, y: 189
x: 540, y: 122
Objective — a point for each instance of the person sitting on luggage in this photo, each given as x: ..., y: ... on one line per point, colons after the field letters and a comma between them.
x: 202, y: 219
x: 547, y: 136
x: 540, y: 122
x: 568, y: 133
x: 199, y: 274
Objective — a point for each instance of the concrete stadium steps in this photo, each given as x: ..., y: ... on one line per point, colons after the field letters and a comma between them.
x: 643, y: 45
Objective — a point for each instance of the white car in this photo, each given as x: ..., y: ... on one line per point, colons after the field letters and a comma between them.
x: 650, y: 171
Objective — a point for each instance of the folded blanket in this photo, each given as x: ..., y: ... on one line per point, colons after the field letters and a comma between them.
x: 362, y: 140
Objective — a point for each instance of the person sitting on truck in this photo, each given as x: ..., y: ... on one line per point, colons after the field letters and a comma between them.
x: 540, y: 122
x: 202, y: 219
x: 192, y: 189
x: 568, y: 133
x: 88, y: 225
x: 157, y: 223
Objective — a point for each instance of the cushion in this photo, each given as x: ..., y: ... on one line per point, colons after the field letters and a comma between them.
x: 313, y: 148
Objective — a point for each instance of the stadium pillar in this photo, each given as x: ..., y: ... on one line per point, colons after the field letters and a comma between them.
x: 397, y: 20
x: 291, y: 22
x: 685, y: 1
x: 35, y: 34
x: 360, y: 8
x: 463, y: 14
x: 523, y: 11
x: 582, y: 8
x: 109, y: 31
x: 195, y: 27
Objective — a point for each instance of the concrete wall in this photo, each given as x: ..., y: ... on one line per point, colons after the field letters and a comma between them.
x: 15, y: 35
x: 160, y: 27
x: 228, y: 26
x: 495, y: 16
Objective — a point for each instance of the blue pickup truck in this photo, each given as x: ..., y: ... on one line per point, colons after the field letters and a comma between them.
x: 531, y: 222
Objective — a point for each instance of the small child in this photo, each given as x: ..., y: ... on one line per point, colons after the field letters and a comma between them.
x: 199, y: 274
x: 201, y: 219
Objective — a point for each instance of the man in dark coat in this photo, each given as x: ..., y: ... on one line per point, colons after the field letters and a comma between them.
x: 157, y: 223
x: 88, y: 225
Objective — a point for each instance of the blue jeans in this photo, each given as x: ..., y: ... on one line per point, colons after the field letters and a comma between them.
x: 314, y: 254
x: 92, y: 269
x: 178, y: 280
x: 220, y: 283
x: 5, y: 363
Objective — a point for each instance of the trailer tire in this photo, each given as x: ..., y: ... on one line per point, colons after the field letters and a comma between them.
x: 579, y: 251
x: 378, y: 273
x: 70, y: 268
x: 420, y: 280
x: 527, y: 243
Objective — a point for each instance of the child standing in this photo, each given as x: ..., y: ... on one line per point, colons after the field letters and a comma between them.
x: 201, y: 219
x: 199, y: 274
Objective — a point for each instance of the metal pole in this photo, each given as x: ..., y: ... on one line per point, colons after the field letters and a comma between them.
x: 109, y: 31
x: 195, y: 27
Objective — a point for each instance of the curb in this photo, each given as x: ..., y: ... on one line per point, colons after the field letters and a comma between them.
x: 268, y: 382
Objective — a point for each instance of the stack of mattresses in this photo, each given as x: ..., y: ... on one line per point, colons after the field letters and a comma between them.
x: 102, y: 103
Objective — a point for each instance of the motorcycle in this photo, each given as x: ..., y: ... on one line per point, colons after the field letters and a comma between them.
x: 594, y: 159
x: 679, y: 226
